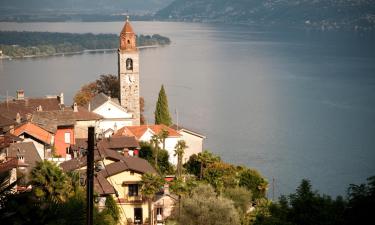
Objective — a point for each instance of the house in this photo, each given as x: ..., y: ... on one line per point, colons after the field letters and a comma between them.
x: 66, y: 124
x: 21, y: 108
x: 19, y: 160
x: 145, y: 133
x: 119, y: 176
x: 42, y: 139
x: 164, y: 204
x: 113, y: 114
x: 193, y: 140
x: 6, y: 124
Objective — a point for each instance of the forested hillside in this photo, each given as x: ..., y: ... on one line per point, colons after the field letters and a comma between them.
x: 323, y: 14
x: 19, y: 44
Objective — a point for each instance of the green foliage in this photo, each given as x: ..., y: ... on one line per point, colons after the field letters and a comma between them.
x: 151, y: 184
x: 20, y: 44
x: 179, y: 151
x: 304, y: 207
x: 241, y: 198
x: 49, y: 182
x: 56, y: 199
x: 204, y: 207
x: 148, y: 152
x: 111, y: 209
x: 165, y: 167
x: 109, y: 85
x: 162, y: 111
x: 193, y: 165
x: 253, y: 181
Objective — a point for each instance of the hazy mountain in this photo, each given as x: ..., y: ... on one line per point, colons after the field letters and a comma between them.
x: 357, y: 14
x: 80, y: 6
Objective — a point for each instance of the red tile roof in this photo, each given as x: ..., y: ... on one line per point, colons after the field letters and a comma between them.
x: 34, y: 131
x: 139, y: 131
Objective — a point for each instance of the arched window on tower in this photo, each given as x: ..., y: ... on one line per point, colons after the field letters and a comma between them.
x: 129, y: 64
x: 128, y: 42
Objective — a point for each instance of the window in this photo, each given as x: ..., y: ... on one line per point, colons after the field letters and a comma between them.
x: 67, y: 138
x: 133, y: 190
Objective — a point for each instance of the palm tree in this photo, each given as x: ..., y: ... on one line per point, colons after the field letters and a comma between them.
x: 50, y: 183
x: 151, y: 184
x: 179, y: 151
x: 155, y: 142
x: 206, y: 158
x: 163, y: 134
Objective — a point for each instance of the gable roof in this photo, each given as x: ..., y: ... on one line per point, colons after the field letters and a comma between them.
x: 35, y: 131
x: 129, y: 164
x: 139, y: 131
x: 9, y: 109
x: 4, y: 121
x: 99, y: 99
x: 184, y: 129
x: 28, y: 150
x: 116, y: 142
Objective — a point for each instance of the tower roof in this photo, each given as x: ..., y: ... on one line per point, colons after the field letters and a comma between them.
x: 127, y: 27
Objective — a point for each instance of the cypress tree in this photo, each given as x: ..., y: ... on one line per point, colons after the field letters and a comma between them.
x: 162, y: 112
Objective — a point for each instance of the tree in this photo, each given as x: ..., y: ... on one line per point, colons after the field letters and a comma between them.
x: 109, y: 85
x: 155, y: 140
x: 179, y: 151
x: 151, y: 184
x: 142, y: 110
x: 84, y: 95
x: 205, y: 158
x: 241, y: 198
x: 253, y: 181
x: 163, y: 135
x: 49, y: 182
x: 162, y: 112
x: 204, y: 207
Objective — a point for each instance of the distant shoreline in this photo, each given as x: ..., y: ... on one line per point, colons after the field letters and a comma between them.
x: 86, y: 51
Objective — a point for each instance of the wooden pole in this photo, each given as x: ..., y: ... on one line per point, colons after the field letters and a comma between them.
x: 90, y: 176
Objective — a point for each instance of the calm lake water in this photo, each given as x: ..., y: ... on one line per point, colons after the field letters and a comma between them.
x: 291, y: 103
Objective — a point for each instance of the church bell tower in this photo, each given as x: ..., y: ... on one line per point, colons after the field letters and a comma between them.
x: 128, y: 72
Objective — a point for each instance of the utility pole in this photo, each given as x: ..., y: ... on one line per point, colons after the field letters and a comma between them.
x: 273, y: 189
x: 90, y: 176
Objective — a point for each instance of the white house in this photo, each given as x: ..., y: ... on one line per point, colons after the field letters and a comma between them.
x: 145, y: 133
x: 114, y: 115
x: 193, y: 140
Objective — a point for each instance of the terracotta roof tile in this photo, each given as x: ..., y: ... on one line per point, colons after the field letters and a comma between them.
x: 139, y: 131
x: 34, y: 131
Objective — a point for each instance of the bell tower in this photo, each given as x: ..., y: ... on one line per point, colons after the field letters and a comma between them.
x: 128, y: 71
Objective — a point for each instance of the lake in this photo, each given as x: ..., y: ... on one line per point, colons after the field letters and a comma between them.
x: 291, y: 103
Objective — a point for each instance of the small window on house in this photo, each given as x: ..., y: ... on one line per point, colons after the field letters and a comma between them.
x: 133, y: 190
x: 159, y: 211
x: 132, y: 173
x: 67, y: 138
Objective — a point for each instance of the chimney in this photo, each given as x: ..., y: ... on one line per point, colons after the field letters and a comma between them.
x: 39, y: 108
x: 89, y: 107
x: 166, y: 189
x: 115, y: 129
x: 20, y: 157
x: 75, y: 107
x: 20, y: 95
x: 18, y: 118
x: 61, y: 98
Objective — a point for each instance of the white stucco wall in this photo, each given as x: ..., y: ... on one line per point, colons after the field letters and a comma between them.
x: 194, y: 143
x: 111, y: 110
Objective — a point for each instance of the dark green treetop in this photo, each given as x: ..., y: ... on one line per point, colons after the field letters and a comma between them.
x: 162, y: 112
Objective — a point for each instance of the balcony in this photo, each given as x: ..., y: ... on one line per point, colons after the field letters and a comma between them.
x: 133, y: 199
